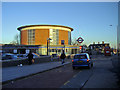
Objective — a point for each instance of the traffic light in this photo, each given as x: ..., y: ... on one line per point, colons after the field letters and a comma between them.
x: 80, y: 47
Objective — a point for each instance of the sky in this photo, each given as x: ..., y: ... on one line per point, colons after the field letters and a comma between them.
x: 90, y: 20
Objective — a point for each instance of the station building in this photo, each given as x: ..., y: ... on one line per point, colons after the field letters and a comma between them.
x: 38, y: 35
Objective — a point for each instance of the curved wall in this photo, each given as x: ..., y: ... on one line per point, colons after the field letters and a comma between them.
x: 38, y: 34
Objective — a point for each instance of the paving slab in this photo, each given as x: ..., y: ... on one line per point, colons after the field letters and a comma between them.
x: 16, y: 72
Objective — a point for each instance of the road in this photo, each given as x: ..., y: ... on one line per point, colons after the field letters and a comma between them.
x: 100, y: 76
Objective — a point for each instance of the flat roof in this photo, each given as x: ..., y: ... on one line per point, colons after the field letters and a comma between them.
x: 19, y: 28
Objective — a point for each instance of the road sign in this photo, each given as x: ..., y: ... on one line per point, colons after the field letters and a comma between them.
x: 80, y: 40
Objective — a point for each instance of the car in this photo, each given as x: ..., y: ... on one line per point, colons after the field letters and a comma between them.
x: 35, y: 55
x: 82, y: 59
x: 55, y: 55
x: 9, y: 56
x: 68, y: 56
x: 21, y: 56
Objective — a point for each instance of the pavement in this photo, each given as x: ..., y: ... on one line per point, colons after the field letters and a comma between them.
x: 116, y: 69
x: 17, y: 72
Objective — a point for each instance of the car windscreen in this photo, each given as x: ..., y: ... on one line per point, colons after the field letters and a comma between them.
x: 54, y: 55
x: 9, y: 56
x: 80, y: 57
x: 20, y: 55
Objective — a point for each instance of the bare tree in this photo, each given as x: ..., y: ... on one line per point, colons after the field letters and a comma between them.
x: 16, y: 40
x: 74, y: 41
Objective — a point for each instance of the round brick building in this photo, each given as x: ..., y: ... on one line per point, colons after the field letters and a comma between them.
x: 38, y: 34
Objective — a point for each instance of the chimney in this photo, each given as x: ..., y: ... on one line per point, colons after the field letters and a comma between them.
x: 102, y: 42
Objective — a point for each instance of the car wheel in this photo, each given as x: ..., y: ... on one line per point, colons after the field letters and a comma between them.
x: 73, y: 67
x: 92, y: 65
x: 89, y: 66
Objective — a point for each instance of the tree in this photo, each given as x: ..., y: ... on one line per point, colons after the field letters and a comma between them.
x: 74, y: 41
x: 16, y: 40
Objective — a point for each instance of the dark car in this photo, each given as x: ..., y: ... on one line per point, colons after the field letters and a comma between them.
x: 8, y: 56
x: 35, y: 55
x: 82, y: 59
x: 21, y: 56
x: 54, y: 55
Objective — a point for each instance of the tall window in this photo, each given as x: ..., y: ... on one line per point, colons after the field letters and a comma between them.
x: 31, y: 36
x: 69, y: 38
x: 54, y: 35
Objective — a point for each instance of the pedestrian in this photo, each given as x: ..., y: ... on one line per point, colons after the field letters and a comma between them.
x: 63, y: 56
x: 30, y: 57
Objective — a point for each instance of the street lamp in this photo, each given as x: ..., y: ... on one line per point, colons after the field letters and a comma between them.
x: 47, y: 44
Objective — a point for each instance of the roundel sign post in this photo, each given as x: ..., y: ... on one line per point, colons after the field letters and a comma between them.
x: 80, y: 40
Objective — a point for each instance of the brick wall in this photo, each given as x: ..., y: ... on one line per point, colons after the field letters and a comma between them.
x: 24, y: 37
x: 41, y: 36
x: 63, y: 35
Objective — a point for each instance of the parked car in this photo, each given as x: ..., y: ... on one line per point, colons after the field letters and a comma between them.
x: 21, y: 56
x: 55, y: 55
x: 82, y: 59
x: 8, y: 56
x: 68, y: 56
x: 35, y: 55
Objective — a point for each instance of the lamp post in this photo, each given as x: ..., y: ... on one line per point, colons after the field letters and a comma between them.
x: 47, y: 44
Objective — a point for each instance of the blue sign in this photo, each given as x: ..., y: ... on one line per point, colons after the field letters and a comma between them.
x: 80, y: 40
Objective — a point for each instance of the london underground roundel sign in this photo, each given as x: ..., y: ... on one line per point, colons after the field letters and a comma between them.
x: 80, y: 40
